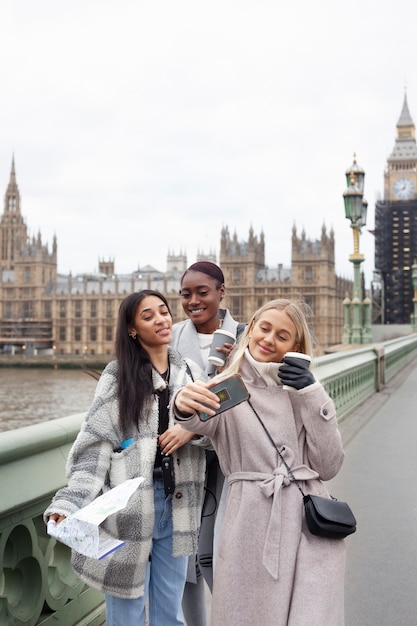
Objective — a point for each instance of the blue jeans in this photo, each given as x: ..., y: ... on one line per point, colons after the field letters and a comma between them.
x: 165, y: 578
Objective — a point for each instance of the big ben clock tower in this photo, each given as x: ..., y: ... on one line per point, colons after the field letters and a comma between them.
x: 396, y: 224
x: 400, y: 178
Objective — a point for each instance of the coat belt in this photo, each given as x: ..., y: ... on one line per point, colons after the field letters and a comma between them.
x: 270, y: 485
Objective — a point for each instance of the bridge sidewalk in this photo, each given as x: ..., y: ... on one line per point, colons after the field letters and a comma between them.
x: 378, y: 480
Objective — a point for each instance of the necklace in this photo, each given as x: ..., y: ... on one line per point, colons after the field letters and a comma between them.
x: 165, y: 375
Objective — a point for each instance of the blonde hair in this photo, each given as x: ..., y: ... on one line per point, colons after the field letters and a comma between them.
x: 300, y: 314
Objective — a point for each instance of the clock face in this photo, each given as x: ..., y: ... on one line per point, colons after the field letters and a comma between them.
x: 403, y: 188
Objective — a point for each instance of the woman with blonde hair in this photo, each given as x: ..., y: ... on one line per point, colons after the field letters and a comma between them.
x: 269, y: 568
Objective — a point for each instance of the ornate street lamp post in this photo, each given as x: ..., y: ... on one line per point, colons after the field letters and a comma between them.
x: 357, y: 325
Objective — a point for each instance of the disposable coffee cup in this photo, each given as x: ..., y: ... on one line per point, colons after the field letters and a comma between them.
x: 220, y: 337
x: 299, y: 358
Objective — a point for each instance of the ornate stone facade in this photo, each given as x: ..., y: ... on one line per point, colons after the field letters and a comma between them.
x: 311, y: 277
x: 42, y: 311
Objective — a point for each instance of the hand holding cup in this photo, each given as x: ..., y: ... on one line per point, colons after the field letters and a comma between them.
x: 220, y: 338
x: 294, y: 372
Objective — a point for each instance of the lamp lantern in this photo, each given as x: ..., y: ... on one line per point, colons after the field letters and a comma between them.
x: 353, y: 198
x: 359, y: 175
x: 357, y: 327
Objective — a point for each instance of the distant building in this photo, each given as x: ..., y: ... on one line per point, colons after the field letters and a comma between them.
x: 396, y: 227
x: 250, y: 283
x: 42, y: 311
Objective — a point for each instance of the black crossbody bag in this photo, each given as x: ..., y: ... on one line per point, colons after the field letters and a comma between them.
x: 325, y: 517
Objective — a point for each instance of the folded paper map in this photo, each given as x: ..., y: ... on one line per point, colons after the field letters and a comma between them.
x: 81, y: 531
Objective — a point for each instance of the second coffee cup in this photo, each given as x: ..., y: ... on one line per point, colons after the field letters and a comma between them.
x: 220, y: 337
x: 296, y: 358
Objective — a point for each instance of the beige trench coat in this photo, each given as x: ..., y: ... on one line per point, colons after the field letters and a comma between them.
x: 269, y: 569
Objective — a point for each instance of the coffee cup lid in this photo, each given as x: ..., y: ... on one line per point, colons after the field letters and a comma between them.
x: 225, y: 332
x: 298, y: 355
x: 216, y: 360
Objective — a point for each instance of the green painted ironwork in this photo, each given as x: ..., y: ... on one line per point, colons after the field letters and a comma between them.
x: 398, y: 354
x: 350, y: 377
x: 37, y: 585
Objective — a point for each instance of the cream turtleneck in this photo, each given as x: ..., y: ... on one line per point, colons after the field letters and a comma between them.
x: 268, y: 371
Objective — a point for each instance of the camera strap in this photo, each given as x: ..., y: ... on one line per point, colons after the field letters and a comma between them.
x: 163, y: 414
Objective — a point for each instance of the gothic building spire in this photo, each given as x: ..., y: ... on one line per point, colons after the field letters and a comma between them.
x: 405, y: 143
x: 13, y: 230
x: 12, y: 196
x: 405, y: 117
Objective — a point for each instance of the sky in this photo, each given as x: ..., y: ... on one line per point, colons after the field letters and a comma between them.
x: 141, y: 128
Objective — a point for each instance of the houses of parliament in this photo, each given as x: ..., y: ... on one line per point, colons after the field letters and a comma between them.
x: 45, y: 312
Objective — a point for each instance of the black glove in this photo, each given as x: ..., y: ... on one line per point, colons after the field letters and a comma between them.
x: 295, y: 373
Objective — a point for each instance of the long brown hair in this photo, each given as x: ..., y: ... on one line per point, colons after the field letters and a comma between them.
x: 135, y: 387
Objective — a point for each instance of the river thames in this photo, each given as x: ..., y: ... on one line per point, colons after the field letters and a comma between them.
x: 33, y: 395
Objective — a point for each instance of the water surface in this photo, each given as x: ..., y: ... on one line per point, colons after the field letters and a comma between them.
x: 29, y: 396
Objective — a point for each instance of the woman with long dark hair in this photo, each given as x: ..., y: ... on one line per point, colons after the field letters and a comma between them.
x: 126, y: 434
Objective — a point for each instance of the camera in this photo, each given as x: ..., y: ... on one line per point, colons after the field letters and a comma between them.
x: 168, y: 474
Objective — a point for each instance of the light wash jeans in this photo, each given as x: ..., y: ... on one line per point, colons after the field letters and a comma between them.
x: 165, y: 578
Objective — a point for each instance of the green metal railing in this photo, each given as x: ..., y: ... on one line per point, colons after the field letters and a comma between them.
x: 37, y: 585
x: 398, y: 353
x: 350, y: 378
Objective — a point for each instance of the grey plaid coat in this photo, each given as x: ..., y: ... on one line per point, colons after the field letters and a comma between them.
x: 93, y: 467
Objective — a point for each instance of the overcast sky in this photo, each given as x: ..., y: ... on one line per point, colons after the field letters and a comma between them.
x: 143, y: 127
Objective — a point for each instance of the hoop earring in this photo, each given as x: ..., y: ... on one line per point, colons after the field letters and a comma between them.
x: 132, y: 334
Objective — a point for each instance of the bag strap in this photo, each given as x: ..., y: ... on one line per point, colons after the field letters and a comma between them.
x: 268, y: 434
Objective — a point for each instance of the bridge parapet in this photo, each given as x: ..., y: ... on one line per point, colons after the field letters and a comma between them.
x: 37, y: 585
